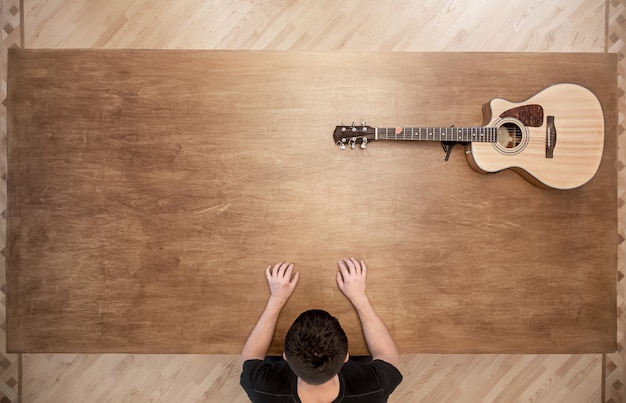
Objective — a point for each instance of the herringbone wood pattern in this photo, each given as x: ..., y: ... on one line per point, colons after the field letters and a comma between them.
x: 465, y: 25
x: 616, y: 43
x: 11, y: 37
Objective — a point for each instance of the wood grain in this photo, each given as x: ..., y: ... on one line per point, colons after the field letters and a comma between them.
x: 148, y: 188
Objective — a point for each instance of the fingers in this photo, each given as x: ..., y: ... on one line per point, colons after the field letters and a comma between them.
x: 352, y: 266
x: 288, y: 272
x: 342, y: 265
x: 356, y: 265
x: 340, y: 281
x: 294, y: 281
x: 284, y: 268
x: 276, y: 269
x: 343, y: 269
x: 280, y: 271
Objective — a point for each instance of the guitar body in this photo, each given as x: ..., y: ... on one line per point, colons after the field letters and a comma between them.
x: 567, y: 117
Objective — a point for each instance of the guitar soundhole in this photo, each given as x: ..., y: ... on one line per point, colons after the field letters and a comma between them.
x: 509, y: 135
x: 512, y: 136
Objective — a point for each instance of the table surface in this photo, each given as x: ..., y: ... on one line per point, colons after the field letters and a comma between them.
x: 148, y: 190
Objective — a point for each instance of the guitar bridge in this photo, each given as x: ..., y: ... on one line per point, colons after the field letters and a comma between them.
x: 550, y: 137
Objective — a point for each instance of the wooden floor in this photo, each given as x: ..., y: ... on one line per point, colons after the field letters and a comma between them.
x: 464, y: 25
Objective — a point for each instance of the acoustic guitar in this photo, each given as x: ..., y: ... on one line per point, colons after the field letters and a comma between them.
x: 554, y: 139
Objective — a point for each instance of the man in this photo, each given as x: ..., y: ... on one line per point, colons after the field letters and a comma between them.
x: 317, y: 366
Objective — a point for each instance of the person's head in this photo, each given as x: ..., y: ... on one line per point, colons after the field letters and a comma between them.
x: 316, y: 347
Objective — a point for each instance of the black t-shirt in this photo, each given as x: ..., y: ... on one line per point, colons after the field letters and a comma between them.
x: 370, y: 382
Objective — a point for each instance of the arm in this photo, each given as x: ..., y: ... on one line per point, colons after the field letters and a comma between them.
x: 281, y: 287
x: 351, y: 280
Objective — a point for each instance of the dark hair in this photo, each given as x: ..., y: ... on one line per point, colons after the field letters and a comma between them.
x: 316, y: 346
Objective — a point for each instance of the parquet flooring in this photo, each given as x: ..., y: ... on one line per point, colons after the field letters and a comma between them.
x: 10, y: 26
x: 463, y: 25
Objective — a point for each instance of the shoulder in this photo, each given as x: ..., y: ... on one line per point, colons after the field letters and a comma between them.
x: 261, y: 378
x: 377, y: 374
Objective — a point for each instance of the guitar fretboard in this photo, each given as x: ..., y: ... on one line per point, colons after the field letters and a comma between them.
x: 460, y: 134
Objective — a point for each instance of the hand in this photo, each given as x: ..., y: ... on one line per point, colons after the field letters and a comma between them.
x: 351, y: 279
x: 280, y: 281
x: 281, y: 287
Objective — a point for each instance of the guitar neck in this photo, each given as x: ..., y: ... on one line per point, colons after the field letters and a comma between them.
x: 456, y: 134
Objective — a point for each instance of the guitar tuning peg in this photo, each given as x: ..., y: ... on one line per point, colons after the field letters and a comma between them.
x: 363, y: 123
x: 342, y: 146
x: 364, y: 143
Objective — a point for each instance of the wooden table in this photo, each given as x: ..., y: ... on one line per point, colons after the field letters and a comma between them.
x: 148, y: 190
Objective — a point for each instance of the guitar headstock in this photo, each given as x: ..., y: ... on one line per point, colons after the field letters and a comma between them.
x: 350, y: 134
